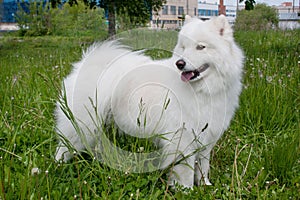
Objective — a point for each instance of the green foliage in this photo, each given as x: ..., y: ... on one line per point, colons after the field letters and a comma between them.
x: 262, y: 17
x: 55, y: 3
x: 123, y: 22
x: 66, y: 21
x: 271, y: 82
x: 35, y: 23
x: 77, y: 20
x: 258, y: 157
x: 282, y: 156
x: 249, y: 4
x: 136, y: 12
x: 139, y: 11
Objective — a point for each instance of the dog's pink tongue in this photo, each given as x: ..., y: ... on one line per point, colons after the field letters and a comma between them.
x: 186, y: 76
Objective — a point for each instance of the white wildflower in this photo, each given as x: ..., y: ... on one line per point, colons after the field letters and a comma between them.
x: 35, y: 171
x: 269, y: 79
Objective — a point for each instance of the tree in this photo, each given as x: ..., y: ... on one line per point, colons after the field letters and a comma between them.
x: 139, y: 11
x: 249, y: 4
x: 55, y: 3
x: 262, y: 17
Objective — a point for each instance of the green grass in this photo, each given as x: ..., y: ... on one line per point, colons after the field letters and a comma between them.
x: 257, y: 158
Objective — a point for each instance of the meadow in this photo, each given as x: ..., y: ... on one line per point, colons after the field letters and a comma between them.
x: 257, y: 158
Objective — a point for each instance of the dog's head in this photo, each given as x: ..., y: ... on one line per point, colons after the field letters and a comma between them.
x: 206, y: 50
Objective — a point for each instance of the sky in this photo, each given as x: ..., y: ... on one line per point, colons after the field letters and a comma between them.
x: 268, y: 2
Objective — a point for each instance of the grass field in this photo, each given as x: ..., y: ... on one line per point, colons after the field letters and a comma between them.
x: 257, y: 158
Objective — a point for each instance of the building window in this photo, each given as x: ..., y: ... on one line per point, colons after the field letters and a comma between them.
x: 180, y: 10
x: 203, y: 12
x: 173, y: 10
x: 165, y: 10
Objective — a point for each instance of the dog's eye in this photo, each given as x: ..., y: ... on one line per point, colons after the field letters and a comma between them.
x: 200, y: 47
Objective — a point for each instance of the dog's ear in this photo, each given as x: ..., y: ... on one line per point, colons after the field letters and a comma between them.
x: 187, y: 19
x: 222, y: 25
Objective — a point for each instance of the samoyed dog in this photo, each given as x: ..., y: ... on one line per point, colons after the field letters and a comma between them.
x: 186, y: 101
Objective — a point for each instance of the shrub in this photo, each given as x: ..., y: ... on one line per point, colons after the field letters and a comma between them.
x: 262, y: 17
x: 77, y: 20
x: 39, y: 19
x: 33, y: 18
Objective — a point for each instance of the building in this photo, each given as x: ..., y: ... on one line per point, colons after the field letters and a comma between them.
x: 287, y: 4
x: 288, y: 7
x: 231, y: 13
x: 208, y: 10
x: 172, y: 13
x: 289, y: 15
x: 222, y: 8
x: 8, y: 9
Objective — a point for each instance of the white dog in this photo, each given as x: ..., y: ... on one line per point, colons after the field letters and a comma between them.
x: 189, y: 98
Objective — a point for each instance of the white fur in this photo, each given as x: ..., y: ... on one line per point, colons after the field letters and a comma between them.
x: 120, y: 80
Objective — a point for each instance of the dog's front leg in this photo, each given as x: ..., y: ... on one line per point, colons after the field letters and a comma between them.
x: 202, y: 169
x: 183, y: 173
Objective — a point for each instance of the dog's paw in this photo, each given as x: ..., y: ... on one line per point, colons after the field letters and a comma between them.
x: 62, y: 154
x: 207, y: 182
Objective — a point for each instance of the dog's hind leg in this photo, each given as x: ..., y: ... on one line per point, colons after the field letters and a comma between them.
x: 69, y: 141
x: 63, y: 152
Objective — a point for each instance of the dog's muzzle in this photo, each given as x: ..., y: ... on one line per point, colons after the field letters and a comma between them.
x: 192, y: 74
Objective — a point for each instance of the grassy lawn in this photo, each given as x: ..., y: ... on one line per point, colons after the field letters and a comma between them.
x: 257, y: 158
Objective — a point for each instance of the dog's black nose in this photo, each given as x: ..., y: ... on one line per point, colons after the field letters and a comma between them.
x: 180, y: 64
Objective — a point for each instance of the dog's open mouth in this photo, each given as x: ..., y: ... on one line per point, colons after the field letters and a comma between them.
x: 190, y: 75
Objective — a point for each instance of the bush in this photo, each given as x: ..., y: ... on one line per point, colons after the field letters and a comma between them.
x: 76, y: 20
x: 33, y: 18
x: 262, y: 17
